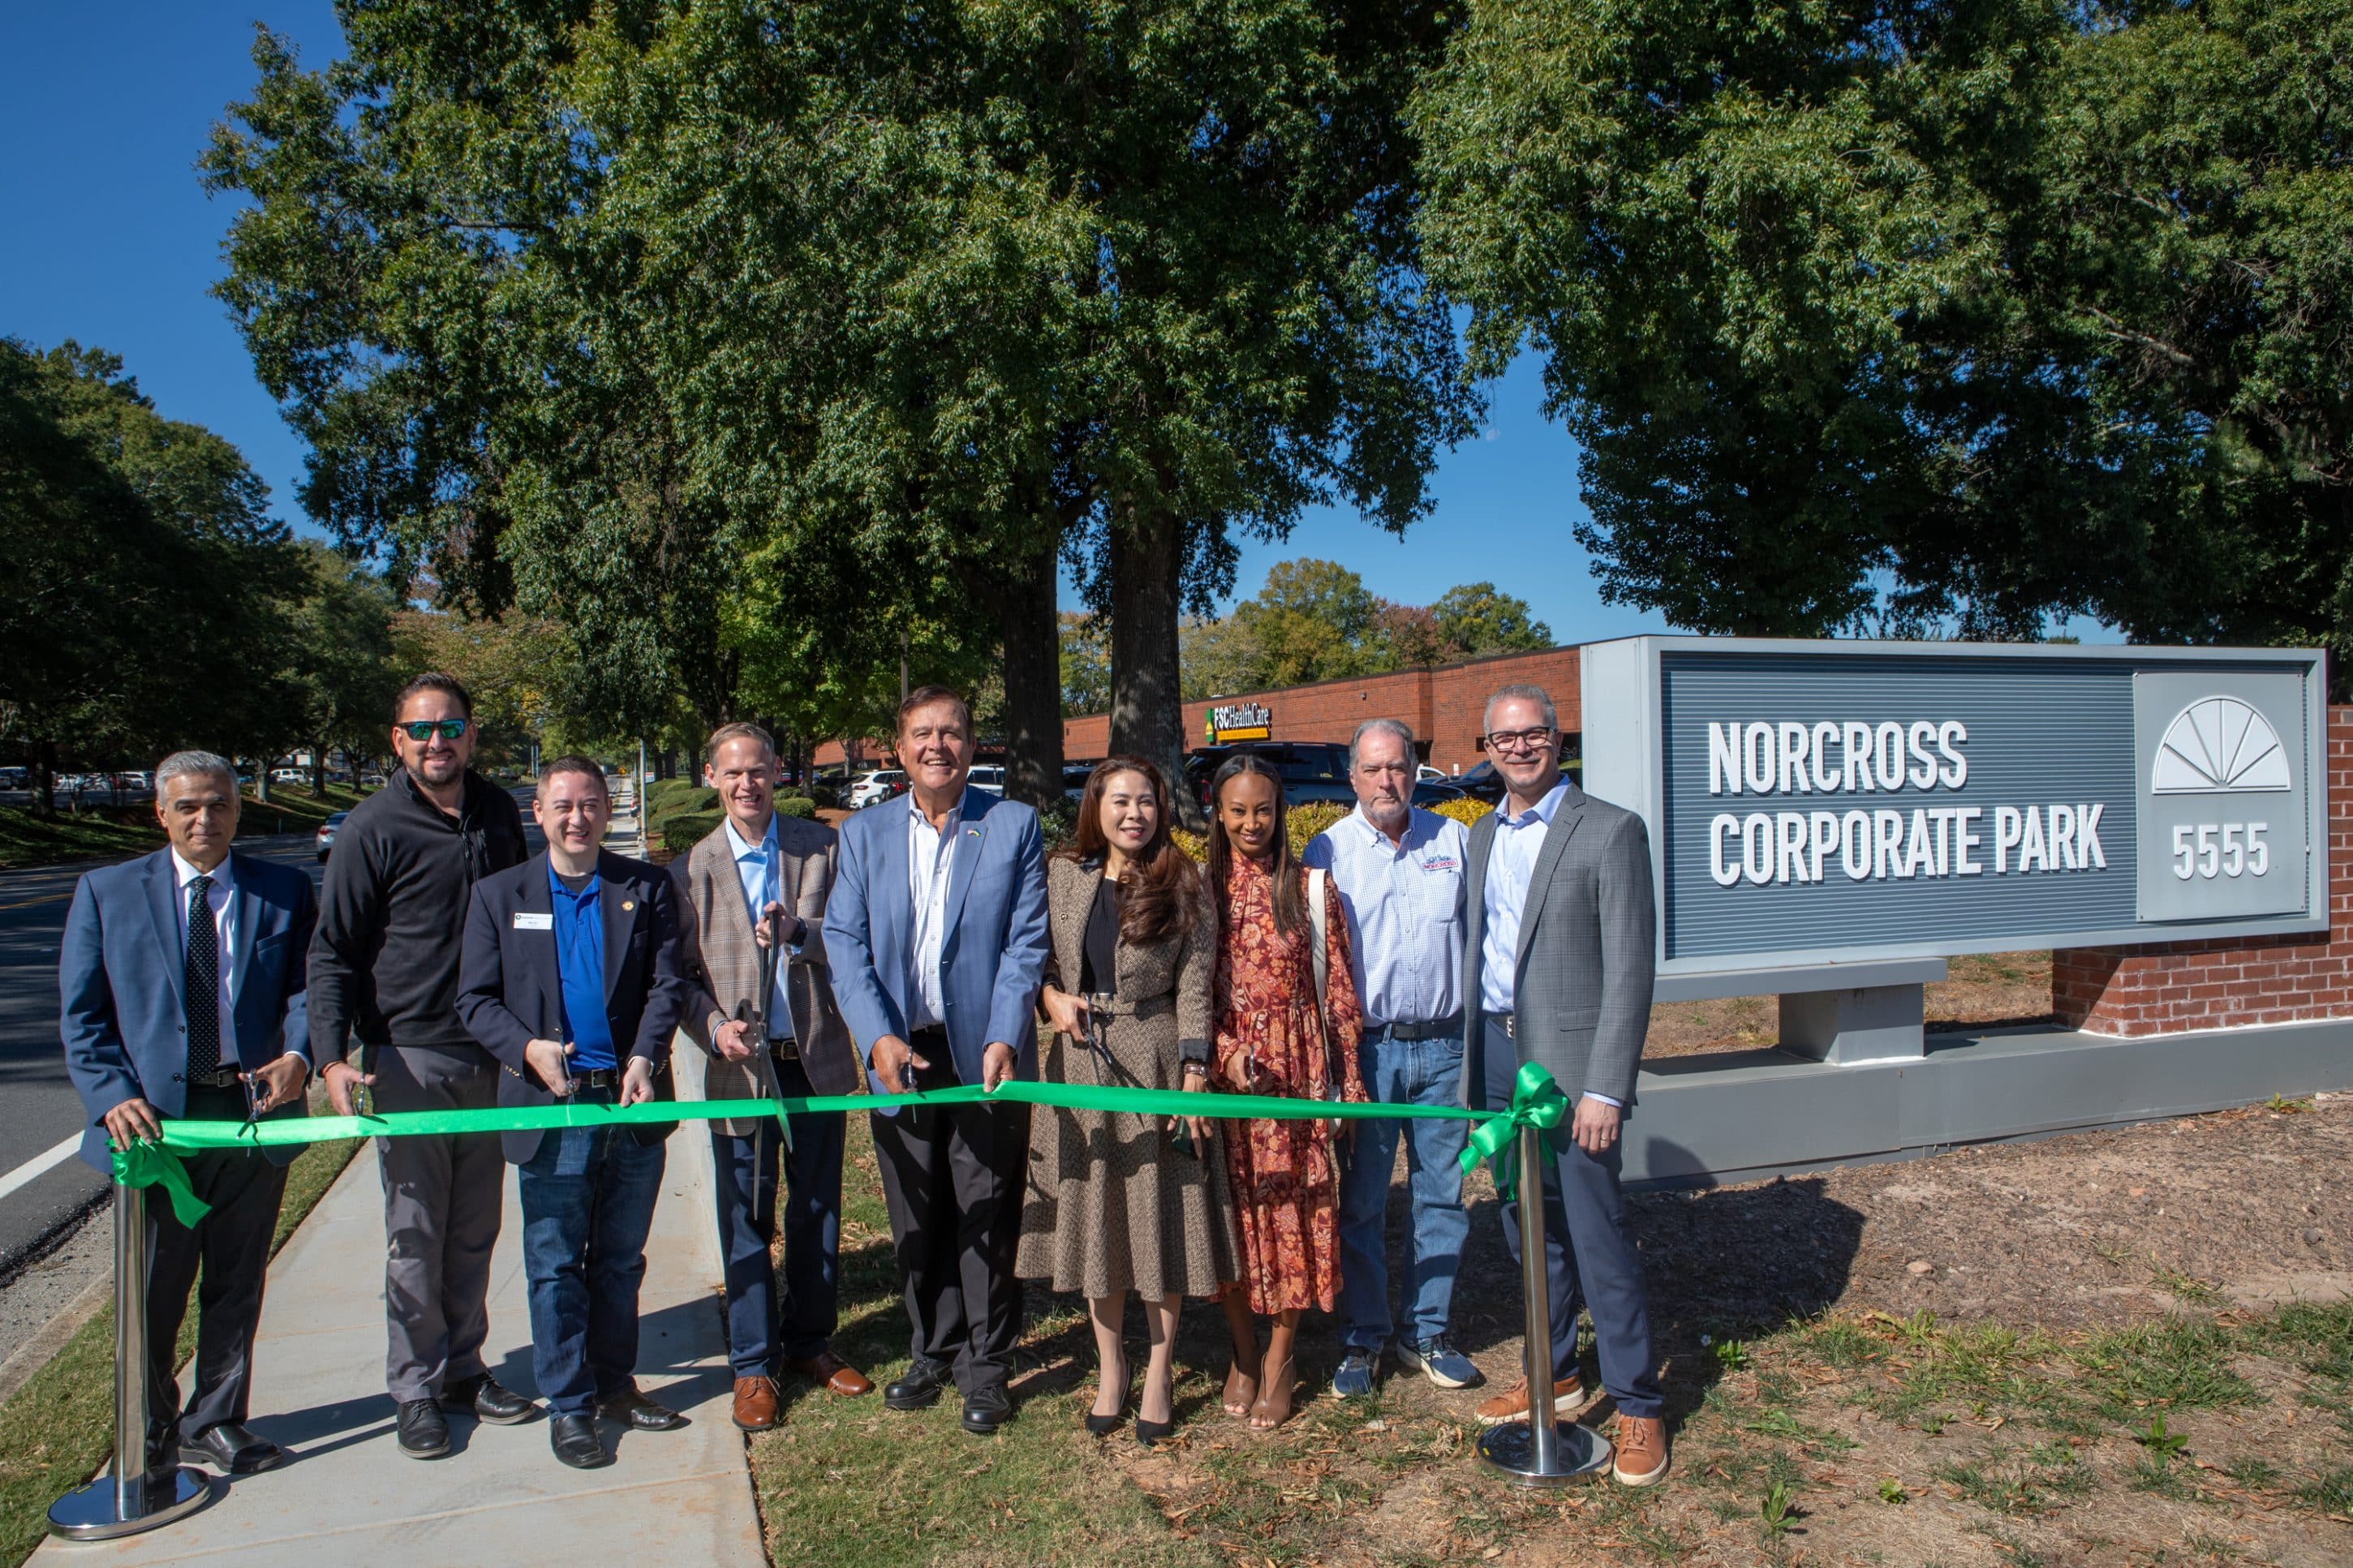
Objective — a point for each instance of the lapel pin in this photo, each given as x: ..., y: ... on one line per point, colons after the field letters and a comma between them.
x: 628, y: 904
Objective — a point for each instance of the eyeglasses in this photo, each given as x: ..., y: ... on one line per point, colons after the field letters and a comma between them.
x: 426, y: 729
x: 1519, y: 740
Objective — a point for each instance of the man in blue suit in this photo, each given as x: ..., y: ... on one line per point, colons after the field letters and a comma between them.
x: 182, y: 980
x: 572, y: 976
x: 937, y: 936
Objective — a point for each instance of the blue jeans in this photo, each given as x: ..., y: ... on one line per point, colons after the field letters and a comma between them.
x: 800, y: 1324
x: 1404, y: 1072
x: 588, y: 1203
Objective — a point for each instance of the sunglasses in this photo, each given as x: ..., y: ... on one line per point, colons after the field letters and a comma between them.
x: 424, y: 729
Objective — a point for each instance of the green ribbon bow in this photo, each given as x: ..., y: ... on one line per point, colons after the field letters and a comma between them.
x: 1536, y: 1101
x: 150, y: 1164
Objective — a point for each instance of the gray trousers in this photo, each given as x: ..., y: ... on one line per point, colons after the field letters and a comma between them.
x: 441, y: 1203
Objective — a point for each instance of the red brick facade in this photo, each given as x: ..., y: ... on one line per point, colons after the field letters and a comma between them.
x: 2173, y: 986
x: 1444, y: 706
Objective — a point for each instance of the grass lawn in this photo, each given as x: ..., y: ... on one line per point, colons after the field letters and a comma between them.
x: 29, y: 840
x: 58, y: 1429
x: 2179, y: 1429
x: 292, y: 808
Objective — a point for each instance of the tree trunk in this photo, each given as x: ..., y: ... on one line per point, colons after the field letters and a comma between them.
x: 45, y: 780
x: 1033, y: 682
x: 1147, y: 710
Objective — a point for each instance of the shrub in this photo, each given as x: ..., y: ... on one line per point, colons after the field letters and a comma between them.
x: 1304, y: 822
x: 799, y: 805
x: 826, y: 796
x: 686, y: 829
x: 1466, y: 811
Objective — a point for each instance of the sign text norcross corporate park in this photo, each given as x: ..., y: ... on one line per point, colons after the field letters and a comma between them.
x: 1819, y: 825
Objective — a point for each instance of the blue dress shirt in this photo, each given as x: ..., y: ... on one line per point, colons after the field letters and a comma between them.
x: 580, y: 966
x: 759, y: 871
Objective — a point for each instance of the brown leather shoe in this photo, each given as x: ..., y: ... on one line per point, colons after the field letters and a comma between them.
x: 756, y: 1404
x: 1512, y: 1404
x: 834, y: 1374
x: 1641, y: 1443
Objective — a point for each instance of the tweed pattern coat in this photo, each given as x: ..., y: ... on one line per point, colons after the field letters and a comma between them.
x: 1113, y: 1202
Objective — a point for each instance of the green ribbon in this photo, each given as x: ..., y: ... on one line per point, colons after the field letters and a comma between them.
x: 1536, y: 1101
x: 147, y: 1164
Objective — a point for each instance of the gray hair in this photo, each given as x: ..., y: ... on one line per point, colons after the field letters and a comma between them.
x: 180, y: 765
x: 1525, y: 693
x: 1398, y: 727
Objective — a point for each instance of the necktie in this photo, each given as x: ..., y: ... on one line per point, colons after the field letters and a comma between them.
x: 203, y: 977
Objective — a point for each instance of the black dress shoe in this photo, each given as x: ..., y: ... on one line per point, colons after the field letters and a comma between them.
x: 920, y: 1389
x: 231, y: 1449
x: 640, y: 1413
x: 574, y: 1440
x: 488, y: 1401
x: 986, y: 1409
x: 423, y: 1434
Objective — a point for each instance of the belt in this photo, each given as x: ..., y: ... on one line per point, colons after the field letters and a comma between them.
x: 1444, y: 1028
x: 784, y: 1048
x: 938, y: 1032
x: 1511, y: 1027
x: 596, y: 1078
x: 219, y: 1077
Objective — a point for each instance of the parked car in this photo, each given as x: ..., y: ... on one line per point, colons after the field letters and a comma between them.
x: 1481, y: 783
x: 1074, y: 780
x: 878, y: 785
x: 324, y: 839
x: 1426, y: 771
x: 289, y: 776
x: 1310, y: 770
x: 989, y: 778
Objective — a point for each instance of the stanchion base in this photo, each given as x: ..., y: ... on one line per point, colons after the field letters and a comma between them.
x: 87, y: 1513
x: 1510, y: 1450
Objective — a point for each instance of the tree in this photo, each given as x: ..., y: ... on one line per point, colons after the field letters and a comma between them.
x: 1478, y: 618
x: 146, y: 605
x: 1957, y: 316
x: 1086, y: 665
x: 1310, y: 622
x: 341, y: 643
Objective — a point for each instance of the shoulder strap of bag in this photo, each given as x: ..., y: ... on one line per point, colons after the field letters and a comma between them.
x: 1316, y: 925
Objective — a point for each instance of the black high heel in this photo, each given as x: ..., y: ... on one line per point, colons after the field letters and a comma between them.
x: 1150, y: 1433
x: 1105, y: 1426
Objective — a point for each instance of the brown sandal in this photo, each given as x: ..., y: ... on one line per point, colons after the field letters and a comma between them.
x: 1267, y: 1411
x: 1238, y: 1401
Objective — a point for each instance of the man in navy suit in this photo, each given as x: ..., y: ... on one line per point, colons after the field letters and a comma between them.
x: 571, y: 976
x: 936, y: 936
x: 182, y: 981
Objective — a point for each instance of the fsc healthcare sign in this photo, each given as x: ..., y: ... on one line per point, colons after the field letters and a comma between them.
x: 1838, y: 801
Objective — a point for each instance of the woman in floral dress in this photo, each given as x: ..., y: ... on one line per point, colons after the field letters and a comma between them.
x: 1273, y: 1038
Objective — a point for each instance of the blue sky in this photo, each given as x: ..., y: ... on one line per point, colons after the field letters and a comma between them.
x: 105, y: 107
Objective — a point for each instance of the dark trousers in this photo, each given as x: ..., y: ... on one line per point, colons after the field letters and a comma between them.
x: 441, y: 1200
x: 798, y: 1324
x: 231, y: 1246
x: 951, y: 1178
x: 588, y: 1203
x: 1587, y: 1245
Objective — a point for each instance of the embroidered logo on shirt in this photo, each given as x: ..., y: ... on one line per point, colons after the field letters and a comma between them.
x: 1438, y: 863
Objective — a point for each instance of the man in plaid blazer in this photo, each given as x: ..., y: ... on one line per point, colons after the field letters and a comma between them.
x: 754, y: 863
x: 1558, y: 959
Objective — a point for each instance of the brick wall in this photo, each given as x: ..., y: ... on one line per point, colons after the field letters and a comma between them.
x: 1443, y: 705
x: 2172, y: 987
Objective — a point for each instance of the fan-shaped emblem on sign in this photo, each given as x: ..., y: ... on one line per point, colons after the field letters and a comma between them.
x: 2219, y: 743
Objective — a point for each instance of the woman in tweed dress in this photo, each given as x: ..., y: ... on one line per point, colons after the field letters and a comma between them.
x: 1119, y: 1202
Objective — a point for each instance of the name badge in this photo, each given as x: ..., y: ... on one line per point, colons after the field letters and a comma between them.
x: 525, y: 920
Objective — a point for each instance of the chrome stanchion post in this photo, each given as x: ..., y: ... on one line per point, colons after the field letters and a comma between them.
x: 1540, y: 1451
x: 130, y: 1500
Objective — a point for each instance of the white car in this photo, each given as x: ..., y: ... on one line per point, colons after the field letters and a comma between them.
x: 989, y: 779
x: 879, y: 785
x: 289, y: 776
x: 1426, y: 771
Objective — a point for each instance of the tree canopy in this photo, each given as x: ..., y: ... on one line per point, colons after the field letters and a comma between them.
x: 1945, y: 315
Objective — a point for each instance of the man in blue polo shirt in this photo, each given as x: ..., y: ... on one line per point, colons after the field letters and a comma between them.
x: 571, y: 977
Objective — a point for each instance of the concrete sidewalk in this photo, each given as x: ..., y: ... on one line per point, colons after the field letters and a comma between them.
x: 348, y: 1496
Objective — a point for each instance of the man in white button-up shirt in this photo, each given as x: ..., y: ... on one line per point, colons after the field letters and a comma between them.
x: 1398, y: 870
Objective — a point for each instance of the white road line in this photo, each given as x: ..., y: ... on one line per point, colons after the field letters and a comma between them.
x: 38, y: 1165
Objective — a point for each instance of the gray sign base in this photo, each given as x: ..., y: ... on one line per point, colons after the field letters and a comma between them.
x: 1737, y: 1116
x: 1510, y: 1450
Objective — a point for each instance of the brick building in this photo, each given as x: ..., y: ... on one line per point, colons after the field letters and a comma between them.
x: 1443, y: 705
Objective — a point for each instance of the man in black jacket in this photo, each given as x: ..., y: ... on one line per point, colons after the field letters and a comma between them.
x: 572, y: 978
x: 384, y: 966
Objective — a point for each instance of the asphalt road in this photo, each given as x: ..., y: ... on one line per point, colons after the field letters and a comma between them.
x: 39, y: 1108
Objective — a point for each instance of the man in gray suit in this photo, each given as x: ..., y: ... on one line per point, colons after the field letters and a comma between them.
x: 1557, y: 965
x: 758, y: 865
